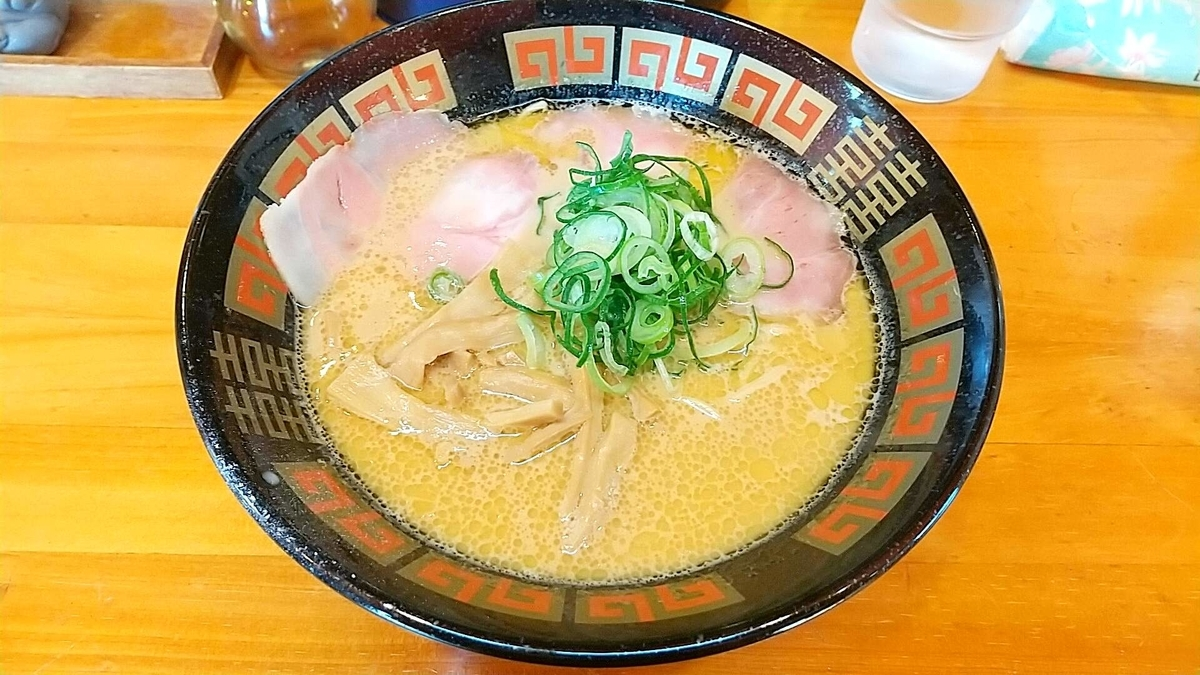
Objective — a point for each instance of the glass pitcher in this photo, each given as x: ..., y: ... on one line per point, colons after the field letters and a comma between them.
x: 287, y: 37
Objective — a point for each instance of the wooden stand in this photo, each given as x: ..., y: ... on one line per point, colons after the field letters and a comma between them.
x: 129, y: 49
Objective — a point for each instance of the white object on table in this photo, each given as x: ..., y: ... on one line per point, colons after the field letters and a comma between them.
x: 931, y: 51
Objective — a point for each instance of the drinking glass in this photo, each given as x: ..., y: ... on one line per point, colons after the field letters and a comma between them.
x: 931, y: 51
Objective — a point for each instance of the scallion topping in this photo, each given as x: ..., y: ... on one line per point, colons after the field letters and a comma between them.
x: 444, y: 285
x: 791, y: 265
x: 636, y: 262
x: 541, y: 204
x: 745, y: 259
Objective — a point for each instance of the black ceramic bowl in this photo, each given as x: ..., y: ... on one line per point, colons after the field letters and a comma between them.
x: 937, y: 297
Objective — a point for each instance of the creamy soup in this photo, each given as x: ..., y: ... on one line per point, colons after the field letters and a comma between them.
x: 473, y: 421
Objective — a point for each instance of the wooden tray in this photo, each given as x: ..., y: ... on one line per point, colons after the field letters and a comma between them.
x: 129, y: 49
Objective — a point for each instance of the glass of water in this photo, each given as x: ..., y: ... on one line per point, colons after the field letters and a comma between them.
x: 931, y: 51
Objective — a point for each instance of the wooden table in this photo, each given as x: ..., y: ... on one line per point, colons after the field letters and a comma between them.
x: 1074, y: 547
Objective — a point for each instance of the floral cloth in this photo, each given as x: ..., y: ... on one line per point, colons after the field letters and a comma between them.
x: 1152, y: 40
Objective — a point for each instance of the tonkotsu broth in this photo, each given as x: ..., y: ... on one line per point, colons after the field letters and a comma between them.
x: 697, y: 488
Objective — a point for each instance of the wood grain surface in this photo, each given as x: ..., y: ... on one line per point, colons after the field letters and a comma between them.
x: 129, y: 49
x: 1073, y: 548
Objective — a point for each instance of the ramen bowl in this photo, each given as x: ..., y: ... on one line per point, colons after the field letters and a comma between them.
x: 934, y: 288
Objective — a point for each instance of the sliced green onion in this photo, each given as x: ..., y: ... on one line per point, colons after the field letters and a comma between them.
x: 541, y: 204
x: 600, y: 232
x: 633, y: 196
x: 691, y: 339
x: 444, y: 285
x: 617, y: 310
x: 579, y: 284
x: 662, y: 347
x: 504, y: 297
x: 747, y: 266
x: 591, y: 151
x: 651, y: 322
x: 604, y: 335
x: 736, y: 341
x: 681, y: 183
x: 576, y: 205
x: 569, y: 337
x: 636, y: 221
x: 559, y: 249
x: 626, y: 151
x: 643, y: 266
x: 654, y: 268
x: 791, y: 265
x: 704, y: 247
x: 753, y: 338
x: 666, y: 235
x: 620, y: 388
x: 679, y: 206
x: 632, y: 265
x: 537, y: 280
x: 535, y: 344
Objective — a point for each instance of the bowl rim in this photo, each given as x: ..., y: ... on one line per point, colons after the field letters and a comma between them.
x: 730, y: 637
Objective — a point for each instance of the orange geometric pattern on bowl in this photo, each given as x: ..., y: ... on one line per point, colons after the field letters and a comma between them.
x: 329, y: 498
x: 923, y: 277
x: 928, y: 385
x: 253, y: 286
x: 673, y: 64
x: 417, y: 84
x: 655, y: 603
x: 324, y: 132
x: 776, y: 102
x: 481, y: 589
x: 875, y: 489
x: 548, y: 57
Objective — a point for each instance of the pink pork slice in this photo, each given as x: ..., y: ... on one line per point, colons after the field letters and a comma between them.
x: 653, y: 132
x: 321, y: 225
x: 762, y: 201
x: 482, y: 204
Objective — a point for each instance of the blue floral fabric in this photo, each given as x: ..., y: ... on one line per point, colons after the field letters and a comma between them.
x: 1152, y: 40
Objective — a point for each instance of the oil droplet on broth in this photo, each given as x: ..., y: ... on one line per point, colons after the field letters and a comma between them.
x: 696, y: 489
